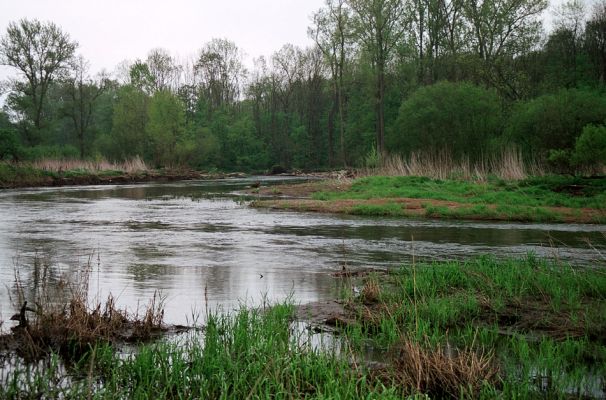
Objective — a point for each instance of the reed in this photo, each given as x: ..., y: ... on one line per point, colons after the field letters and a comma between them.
x: 134, y: 165
x: 508, y: 165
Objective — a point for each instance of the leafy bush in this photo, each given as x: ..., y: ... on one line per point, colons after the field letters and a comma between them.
x: 590, y: 148
x: 554, y: 121
x: 458, y: 117
x: 55, y: 152
x: 9, y: 144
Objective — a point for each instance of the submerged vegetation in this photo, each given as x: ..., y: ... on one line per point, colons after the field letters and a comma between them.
x: 482, y: 328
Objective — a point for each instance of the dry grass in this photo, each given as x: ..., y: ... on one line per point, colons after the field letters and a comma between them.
x: 441, y: 372
x: 133, y: 165
x: 371, y: 291
x: 508, y: 165
x: 71, y: 327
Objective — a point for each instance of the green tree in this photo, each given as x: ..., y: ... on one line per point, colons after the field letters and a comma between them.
x: 379, y: 28
x: 128, y: 136
x: 554, y: 121
x: 459, y: 118
x: 590, y: 148
x: 40, y: 51
x: 165, y: 126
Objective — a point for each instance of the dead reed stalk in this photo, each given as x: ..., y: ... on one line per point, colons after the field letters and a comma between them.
x: 441, y: 372
x: 133, y: 165
x: 508, y: 165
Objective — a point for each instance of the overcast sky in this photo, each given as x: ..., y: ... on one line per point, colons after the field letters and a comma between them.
x: 110, y: 31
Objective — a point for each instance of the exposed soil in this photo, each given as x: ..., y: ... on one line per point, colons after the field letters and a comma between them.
x: 297, y: 198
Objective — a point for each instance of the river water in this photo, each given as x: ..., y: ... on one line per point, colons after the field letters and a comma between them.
x: 200, y: 244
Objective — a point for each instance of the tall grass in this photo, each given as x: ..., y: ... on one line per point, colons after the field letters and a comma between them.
x: 508, y: 165
x: 133, y: 165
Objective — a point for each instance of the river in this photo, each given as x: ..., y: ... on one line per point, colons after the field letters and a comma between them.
x: 203, y: 248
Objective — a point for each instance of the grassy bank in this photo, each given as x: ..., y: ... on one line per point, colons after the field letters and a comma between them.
x: 477, y: 329
x: 541, y: 325
x: 549, y: 198
x: 70, y: 172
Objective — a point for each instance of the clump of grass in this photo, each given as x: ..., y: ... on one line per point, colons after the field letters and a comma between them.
x: 252, y: 353
x: 523, y: 318
x: 440, y: 371
x: 371, y: 291
x: 73, y: 327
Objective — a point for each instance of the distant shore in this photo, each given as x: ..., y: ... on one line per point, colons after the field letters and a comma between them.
x: 546, y: 199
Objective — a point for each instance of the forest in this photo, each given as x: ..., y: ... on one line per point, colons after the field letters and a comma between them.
x: 472, y: 78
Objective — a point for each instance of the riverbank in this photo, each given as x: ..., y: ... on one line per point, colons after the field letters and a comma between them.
x: 23, y: 176
x: 483, y: 328
x: 544, y: 199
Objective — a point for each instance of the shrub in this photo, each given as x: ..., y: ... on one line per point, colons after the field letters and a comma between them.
x: 590, y: 148
x: 554, y: 121
x: 9, y: 144
x: 458, y: 117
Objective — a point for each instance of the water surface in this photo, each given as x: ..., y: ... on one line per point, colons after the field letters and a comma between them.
x: 201, y: 245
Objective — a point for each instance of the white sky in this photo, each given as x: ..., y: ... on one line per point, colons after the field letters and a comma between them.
x: 110, y: 31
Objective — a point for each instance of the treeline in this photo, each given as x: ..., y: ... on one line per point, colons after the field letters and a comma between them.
x: 470, y: 77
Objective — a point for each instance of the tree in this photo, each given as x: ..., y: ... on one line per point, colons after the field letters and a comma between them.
x: 40, y: 51
x: 128, y: 136
x: 163, y: 69
x: 332, y: 33
x: 379, y: 27
x: 554, y: 121
x: 82, y: 94
x: 503, y: 30
x: 459, y: 118
x: 595, y: 40
x: 220, y: 70
x: 165, y: 127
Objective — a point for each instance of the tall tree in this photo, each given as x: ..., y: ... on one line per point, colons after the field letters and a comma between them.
x: 220, y: 70
x: 39, y: 51
x: 379, y: 27
x: 503, y: 30
x: 595, y: 40
x: 332, y: 33
x: 82, y: 93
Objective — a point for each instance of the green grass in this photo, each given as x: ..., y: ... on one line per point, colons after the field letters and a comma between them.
x: 541, y: 322
x: 541, y: 319
x: 549, y: 191
x: 250, y: 354
x: 11, y: 174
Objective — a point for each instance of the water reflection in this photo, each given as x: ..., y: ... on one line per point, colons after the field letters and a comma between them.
x: 188, y: 239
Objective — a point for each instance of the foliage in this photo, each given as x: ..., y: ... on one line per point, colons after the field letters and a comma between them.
x: 419, y: 76
x: 460, y: 118
x: 165, y: 126
x: 554, y: 121
x: 590, y: 147
x: 128, y: 137
x: 39, y: 51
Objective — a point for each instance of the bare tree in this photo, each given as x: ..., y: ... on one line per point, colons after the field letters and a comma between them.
x: 40, y: 51
x: 220, y: 70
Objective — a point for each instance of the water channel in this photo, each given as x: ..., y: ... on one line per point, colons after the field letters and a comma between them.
x: 203, y: 247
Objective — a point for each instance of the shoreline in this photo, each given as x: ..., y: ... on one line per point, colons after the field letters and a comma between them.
x: 337, y: 197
